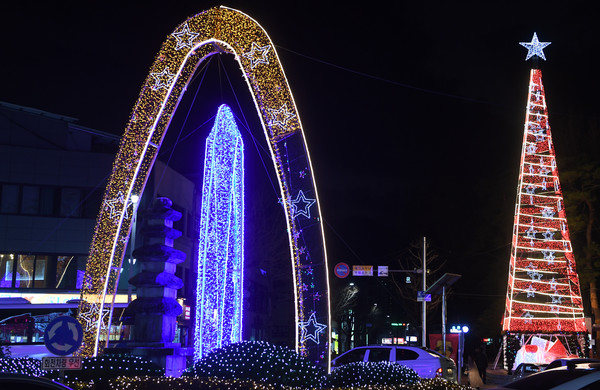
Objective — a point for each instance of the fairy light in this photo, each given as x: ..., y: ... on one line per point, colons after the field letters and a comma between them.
x: 543, y: 293
x: 214, y: 31
x: 219, y: 292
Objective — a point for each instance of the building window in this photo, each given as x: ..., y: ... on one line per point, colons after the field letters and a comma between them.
x: 30, y: 200
x: 70, y: 199
x: 10, y: 199
x: 6, y: 270
x: 41, y: 271
x: 47, y: 200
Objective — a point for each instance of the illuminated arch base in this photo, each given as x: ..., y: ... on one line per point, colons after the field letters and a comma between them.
x: 215, y: 31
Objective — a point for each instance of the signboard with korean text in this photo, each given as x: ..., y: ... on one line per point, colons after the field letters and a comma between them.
x: 362, y: 270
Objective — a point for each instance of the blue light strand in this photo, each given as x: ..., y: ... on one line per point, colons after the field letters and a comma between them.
x: 221, y: 247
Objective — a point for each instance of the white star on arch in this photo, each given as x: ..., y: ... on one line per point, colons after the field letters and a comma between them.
x: 535, y: 47
x: 280, y: 117
x: 184, y: 37
x: 162, y: 79
x: 316, y: 329
x: 306, y: 202
x: 252, y: 54
x: 90, y: 317
x: 112, y: 205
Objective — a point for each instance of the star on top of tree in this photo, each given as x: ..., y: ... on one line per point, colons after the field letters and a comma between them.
x: 535, y: 47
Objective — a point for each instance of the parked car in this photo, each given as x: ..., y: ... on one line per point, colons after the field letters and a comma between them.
x: 15, y: 381
x: 425, y: 362
x: 526, y: 369
x: 584, y: 376
x: 566, y: 361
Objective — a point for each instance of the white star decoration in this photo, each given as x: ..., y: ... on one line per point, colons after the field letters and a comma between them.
x: 530, y: 291
x: 535, y: 47
x: 162, y: 79
x: 113, y: 203
x: 549, y: 255
x: 280, y: 117
x: 184, y: 37
x: 527, y: 316
x: 312, y: 334
x: 548, y: 212
x: 302, y: 199
x: 90, y: 317
x: 548, y: 234
x: 261, y: 58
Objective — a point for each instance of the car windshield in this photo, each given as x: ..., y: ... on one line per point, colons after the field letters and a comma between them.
x: 546, y: 379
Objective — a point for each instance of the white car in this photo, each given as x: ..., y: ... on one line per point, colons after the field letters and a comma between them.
x: 425, y: 362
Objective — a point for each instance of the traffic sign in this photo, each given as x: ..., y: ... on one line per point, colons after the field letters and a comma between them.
x: 382, y: 270
x: 423, y: 297
x: 63, y: 335
x: 341, y: 270
x: 362, y: 270
x: 61, y: 363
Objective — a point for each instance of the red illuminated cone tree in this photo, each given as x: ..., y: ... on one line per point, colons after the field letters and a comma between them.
x: 543, y: 293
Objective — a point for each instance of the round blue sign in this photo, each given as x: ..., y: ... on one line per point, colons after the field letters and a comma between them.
x: 341, y: 270
x: 63, y: 335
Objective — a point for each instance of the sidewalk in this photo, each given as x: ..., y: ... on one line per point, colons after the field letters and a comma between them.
x: 495, y: 378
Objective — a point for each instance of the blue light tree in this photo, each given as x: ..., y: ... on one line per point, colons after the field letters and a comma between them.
x: 221, y: 242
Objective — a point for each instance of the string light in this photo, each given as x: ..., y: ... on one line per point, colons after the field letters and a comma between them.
x: 261, y: 362
x: 383, y: 373
x: 219, y: 292
x: 543, y: 287
x: 218, y: 30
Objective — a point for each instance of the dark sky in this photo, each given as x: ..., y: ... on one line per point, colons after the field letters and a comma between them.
x: 413, y: 112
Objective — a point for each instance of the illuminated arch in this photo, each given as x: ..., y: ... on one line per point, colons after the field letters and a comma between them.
x: 215, y: 31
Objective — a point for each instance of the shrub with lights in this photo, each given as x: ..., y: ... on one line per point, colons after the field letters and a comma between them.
x: 372, y: 373
x: 22, y: 365
x: 261, y: 362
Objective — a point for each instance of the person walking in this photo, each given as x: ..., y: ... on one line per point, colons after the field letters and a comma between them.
x: 473, y: 374
x: 481, y: 361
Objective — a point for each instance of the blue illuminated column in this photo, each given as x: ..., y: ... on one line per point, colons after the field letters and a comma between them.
x: 221, y: 241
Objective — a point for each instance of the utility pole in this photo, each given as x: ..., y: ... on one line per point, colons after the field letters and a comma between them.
x: 424, y: 304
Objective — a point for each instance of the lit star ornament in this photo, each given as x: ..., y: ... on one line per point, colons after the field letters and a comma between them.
x: 280, y: 117
x: 315, y: 329
x: 535, y: 47
x: 185, y: 37
x: 306, y: 203
x: 113, y: 208
x: 257, y: 54
x: 162, y: 79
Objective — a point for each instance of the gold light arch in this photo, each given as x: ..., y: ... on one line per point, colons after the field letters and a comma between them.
x: 214, y: 31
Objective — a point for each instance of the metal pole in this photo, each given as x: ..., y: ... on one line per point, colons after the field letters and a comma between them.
x: 444, y: 318
x: 424, y: 304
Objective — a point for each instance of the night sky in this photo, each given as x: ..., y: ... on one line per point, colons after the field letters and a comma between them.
x: 413, y: 113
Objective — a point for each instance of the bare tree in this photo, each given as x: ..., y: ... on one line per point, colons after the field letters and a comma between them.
x: 412, y: 260
x: 345, y: 302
